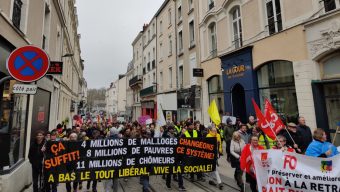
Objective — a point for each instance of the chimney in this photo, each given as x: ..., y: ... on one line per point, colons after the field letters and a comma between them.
x: 145, y: 26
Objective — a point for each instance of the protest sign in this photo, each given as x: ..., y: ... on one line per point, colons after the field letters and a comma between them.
x: 225, y: 118
x: 116, y: 158
x: 278, y: 171
x: 142, y: 119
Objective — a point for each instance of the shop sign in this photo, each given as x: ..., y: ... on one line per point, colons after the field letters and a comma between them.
x: 56, y: 68
x: 24, y: 89
x: 197, y: 72
x: 187, y: 98
x: 236, y: 71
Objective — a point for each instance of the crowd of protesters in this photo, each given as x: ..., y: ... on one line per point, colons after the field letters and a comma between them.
x: 241, y: 140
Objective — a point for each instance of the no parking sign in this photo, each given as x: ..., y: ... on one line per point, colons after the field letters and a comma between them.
x: 28, y: 64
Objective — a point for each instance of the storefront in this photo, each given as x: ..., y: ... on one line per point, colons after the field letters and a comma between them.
x: 326, y: 93
x: 41, y: 112
x: 323, y: 41
x: 215, y: 92
x: 189, y: 103
x: 239, y: 83
x: 149, y: 108
x: 276, y: 83
x: 14, y: 129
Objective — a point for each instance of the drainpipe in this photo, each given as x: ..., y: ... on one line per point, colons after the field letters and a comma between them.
x: 177, y: 69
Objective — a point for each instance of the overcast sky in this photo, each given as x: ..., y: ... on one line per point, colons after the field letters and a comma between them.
x: 107, y: 29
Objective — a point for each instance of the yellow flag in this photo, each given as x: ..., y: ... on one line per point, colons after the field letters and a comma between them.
x: 213, y: 113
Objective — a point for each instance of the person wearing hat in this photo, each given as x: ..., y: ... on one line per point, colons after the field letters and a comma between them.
x: 294, y: 137
x: 228, y: 131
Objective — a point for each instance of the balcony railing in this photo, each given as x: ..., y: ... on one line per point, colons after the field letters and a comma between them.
x: 135, y: 80
x: 16, y: 17
x: 148, y: 91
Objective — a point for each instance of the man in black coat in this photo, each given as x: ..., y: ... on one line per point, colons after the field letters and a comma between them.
x: 294, y: 137
x: 306, y: 132
x: 36, y: 157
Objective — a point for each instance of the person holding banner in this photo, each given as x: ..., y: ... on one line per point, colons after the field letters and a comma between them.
x: 35, y: 157
x: 281, y: 144
x: 171, y: 133
x: 320, y: 147
x: 190, y: 132
x: 247, y: 162
x: 294, y: 137
x: 71, y: 166
x: 236, y: 146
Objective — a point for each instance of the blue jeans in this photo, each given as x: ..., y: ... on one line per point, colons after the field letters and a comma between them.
x: 145, y: 182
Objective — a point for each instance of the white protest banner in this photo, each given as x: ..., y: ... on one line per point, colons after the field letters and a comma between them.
x: 225, y: 118
x: 278, y: 171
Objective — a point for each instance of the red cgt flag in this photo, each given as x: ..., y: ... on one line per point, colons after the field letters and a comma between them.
x: 263, y: 122
x: 274, y: 121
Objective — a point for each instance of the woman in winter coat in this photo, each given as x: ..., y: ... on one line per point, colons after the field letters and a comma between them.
x: 236, y: 146
x: 320, y: 147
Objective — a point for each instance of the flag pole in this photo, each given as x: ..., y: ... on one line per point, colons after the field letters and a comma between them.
x: 336, y: 133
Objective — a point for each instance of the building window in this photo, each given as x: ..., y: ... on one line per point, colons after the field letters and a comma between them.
x: 330, y: 67
x: 14, y: 108
x: 179, y: 13
x: 170, y: 77
x: 211, y: 4
x: 212, y: 37
x: 161, y: 27
x: 16, y: 17
x: 160, y: 51
x: 47, y: 25
x: 190, y: 5
x: 149, y: 37
x: 153, y: 29
x: 276, y: 83
x: 169, y: 16
x: 170, y: 45
x: 180, y: 77
x: 160, y: 80
x: 274, y: 16
x: 192, y: 33
x: 180, y: 41
x: 329, y: 5
x: 237, y: 27
x: 216, y: 92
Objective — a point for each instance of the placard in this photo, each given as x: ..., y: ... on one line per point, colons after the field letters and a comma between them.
x: 116, y: 158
